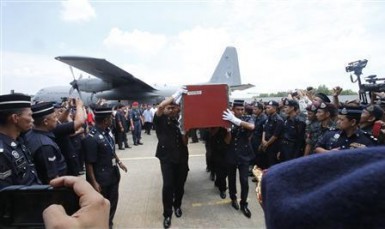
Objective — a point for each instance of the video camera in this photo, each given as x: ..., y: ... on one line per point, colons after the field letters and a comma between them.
x: 356, y: 66
x: 22, y: 206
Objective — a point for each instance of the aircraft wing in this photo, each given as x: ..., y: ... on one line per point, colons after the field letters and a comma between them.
x: 105, y: 70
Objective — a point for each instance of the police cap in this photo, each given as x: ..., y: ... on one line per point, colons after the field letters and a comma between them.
x: 329, y: 107
x: 291, y: 103
x: 313, y: 106
x: 14, y: 101
x: 376, y: 111
x: 42, y: 109
x: 238, y: 103
x: 323, y: 97
x: 351, y: 112
x: 102, y: 111
x: 273, y: 103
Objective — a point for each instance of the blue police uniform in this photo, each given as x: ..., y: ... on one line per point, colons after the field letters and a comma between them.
x: 239, y: 154
x: 293, y: 138
x: 273, y: 127
x: 99, y: 148
x: 338, y: 139
x: 136, y: 133
x: 173, y: 157
x: 16, y: 166
x: 48, y: 159
x: 256, y: 138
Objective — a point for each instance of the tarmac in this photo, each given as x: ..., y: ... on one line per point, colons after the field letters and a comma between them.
x: 140, y: 193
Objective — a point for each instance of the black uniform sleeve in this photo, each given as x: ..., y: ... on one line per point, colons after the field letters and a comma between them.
x: 45, y: 159
x: 90, y: 147
x: 278, y: 128
x: 5, y: 171
x: 64, y: 129
x: 324, y: 140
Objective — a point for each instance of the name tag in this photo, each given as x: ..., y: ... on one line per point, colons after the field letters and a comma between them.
x: 113, y: 161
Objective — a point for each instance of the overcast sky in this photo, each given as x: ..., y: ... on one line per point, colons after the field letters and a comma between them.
x: 281, y: 45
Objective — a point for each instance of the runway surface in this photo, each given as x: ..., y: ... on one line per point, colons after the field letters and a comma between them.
x: 140, y: 201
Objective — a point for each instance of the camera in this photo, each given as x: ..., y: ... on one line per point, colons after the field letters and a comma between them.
x: 356, y: 66
x: 23, y: 206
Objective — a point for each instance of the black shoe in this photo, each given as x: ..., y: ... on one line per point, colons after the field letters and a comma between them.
x: 167, y: 222
x: 135, y: 144
x: 245, y: 211
x: 234, y: 204
x: 139, y: 143
x: 222, y: 194
x: 121, y: 148
x: 127, y: 146
x: 178, y: 212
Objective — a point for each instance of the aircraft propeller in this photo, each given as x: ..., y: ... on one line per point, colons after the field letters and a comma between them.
x: 74, y: 84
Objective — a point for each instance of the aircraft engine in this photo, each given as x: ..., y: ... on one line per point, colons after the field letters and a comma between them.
x: 93, y: 85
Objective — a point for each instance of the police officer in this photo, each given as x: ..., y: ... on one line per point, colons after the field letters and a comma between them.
x: 16, y: 167
x: 312, y: 128
x: 172, y: 152
x: 136, y: 121
x: 293, y: 137
x: 272, y: 133
x: 260, y: 118
x: 102, y: 163
x: 239, y: 153
x: 48, y: 159
x: 217, y: 148
x: 349, y: 134
x: 120, y: 127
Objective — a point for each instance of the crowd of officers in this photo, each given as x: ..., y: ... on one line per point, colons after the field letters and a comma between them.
x: 301, y: 124
x: 45, y: 140
x: 41, y: 142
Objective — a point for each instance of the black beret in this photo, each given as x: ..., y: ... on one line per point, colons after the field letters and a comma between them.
x: 14, y: 101
x: 273, y: 103
x: 42, y: 109
x: 322, y: 96
x: 102, y: 111
x: 313, y: 106
x: 238, y: 103
x: 329, y: 107
x: 352, y: 112
x: 292, y: 103
x: 376, y: 111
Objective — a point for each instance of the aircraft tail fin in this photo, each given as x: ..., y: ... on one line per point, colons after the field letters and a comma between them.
x: 227, y: 70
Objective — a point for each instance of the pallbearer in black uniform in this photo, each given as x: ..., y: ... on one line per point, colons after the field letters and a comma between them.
x: 47, y: 156
x: 102, y: 163
x: 348, y: 135
x: 173, y: 155
x: 239, y: 154
x: 16, y: 167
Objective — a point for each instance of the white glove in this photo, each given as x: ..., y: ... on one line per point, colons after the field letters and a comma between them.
x: 178, y: 94
x: 229, y: 116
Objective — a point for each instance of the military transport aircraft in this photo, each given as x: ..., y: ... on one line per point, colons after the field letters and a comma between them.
x: 113, y: 83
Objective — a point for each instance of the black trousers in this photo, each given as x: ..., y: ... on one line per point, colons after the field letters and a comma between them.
x: 111, y: 193
x: 147, y: 127
x: 174, y: 178
x: 220, y: 175
x: 243, y: 178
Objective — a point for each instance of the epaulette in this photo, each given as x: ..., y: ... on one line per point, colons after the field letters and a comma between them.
x: 332, y: 128
x: 369, y: 135
x: 92, y: 132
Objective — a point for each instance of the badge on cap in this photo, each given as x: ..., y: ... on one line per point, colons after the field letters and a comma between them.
x: 15, y: 154
x: 344, y: 111
x: 52, y: 158
x: 323, y: 105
